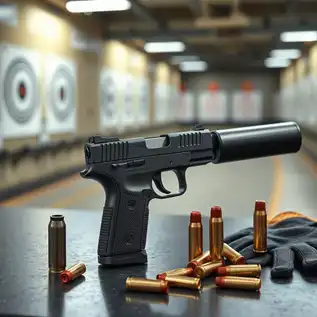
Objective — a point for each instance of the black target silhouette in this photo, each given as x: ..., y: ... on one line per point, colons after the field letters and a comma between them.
x: 108, y: 96
x: 20, y: 91
x: 62, y: 93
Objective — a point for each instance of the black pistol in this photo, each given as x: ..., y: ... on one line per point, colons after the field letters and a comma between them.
x: 126, y: 168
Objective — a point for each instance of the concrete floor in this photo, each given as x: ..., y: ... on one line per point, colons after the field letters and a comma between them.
x: 285, y: 182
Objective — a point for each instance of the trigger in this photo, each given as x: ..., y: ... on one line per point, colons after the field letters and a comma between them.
x: 159, y: 183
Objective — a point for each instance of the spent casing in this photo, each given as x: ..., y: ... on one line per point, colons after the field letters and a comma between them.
x: 246, y: 270
x: 201, y: 259
x: 260, y: 227
x: 232, y: 255
x: 56, y: 244
x: 179, y: 272
x: 216, y: 234
x: 243, y: 283
x: 146, y: 285
x: 207, y: 269
x: 195, y: 236
x: 73, y: 272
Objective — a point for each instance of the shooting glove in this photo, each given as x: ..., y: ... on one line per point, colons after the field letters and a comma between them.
x: 291, y: 237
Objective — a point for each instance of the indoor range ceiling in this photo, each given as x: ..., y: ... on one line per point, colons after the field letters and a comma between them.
x: 225, y: 34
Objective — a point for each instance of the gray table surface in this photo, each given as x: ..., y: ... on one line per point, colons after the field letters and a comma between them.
x: 27, y: 290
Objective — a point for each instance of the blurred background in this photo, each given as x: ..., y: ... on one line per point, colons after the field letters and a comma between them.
x: 73, y: 69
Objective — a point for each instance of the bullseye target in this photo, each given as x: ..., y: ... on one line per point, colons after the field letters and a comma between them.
x: 20, y: 111
x: 60, y: 78
x: 128, y: 112
x: 143, y: 101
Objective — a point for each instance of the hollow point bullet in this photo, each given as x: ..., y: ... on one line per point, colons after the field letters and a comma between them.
x: 146, y: 285
x: 73, y: 272
x: 216, y: 234
x: 207, y: 269
x: 183, y: 282
x: 246, y: 270
x: 195, y: 236
x: 243, y: 283
x: 178, y: 272
x: 201, y: 259
x: 56, y: 244
x: 232, y: 255
x: 260, y: 227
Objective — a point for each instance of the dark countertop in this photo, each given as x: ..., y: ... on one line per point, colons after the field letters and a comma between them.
x: 27, y: 290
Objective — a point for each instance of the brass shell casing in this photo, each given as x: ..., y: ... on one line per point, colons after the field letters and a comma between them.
x: 216, y: 238
x: 56, y: 244
x: 207, y: 269
x: 73, y: 272
x: 203, y: 258
x: 195, y: 240
x: 183, y: 282
x: 146, y: 285
x: 260, y: 231
x: 243, y: 283
x: 232, y: 255
x: 246, y: 270
x: 178, y: 272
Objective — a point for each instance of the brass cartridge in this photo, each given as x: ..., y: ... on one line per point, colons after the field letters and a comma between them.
x: 73, y: 272
x: 204, y: 258
x: 195, y: 236
x: 207, y: 269
x: 232, y: 255
x: 216, y: 234
x: 146, y: 285
x: 179, y: 272
x: 183, y: 282
x: 243, y: 283
x: 260, y: 227
x: 246, y: 270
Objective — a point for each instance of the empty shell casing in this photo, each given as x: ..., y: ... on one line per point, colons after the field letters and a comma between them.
x: 73, y: 272
x: 179, y: 272
x: 246, y: 270
x: 260, y: 227
x: 243, y: 283
x: 195, y: 236
x: 207, y: 269
x: 216, y: 234
x: 232, y: 255
x: 146, y: 285
x: 183, y: 282
x: 56, y: 244
x: 205, y: 257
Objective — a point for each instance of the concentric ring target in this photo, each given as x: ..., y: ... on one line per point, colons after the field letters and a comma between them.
x: 128, y: 98
x: 62, y: 93
x: 108, y: 97
x: 20, y: 91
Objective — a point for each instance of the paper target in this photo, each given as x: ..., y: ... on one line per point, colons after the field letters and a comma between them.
x: 161, y: 103
x: 143, y: 101
x: 212, y: 107
x: 128, y: 103
x: 108, y: 98
x: 60, y: 81
x: 186, y: 112
x: 20, y: 106
x: 247, y: 106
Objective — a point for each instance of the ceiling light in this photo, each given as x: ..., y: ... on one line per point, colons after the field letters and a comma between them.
x: 82, y: 6
x: 195, y: 66
x: 164, y: 47
x: 183, y: 58
x: 287, y: 53
x: 299, y: 36
x: 277, y: 62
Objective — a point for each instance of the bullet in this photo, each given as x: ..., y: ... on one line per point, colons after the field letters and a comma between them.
x: 56, y: 244
x: 73, y: 272
x: 207, y: 269
x: 203, y: 258
x: 178, y: 272
x: 216, y: 234
x: 183, y: 282
x: 247, y: 270
x: 146, y: 285
x: 195, y: 236
x: 232, y: 255
x: 243, y: 283
x: 260, y: 227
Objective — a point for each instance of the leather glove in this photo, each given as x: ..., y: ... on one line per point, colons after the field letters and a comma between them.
x: 292, y: 239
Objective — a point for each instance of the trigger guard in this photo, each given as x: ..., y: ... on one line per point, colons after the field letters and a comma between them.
x: 181, y: 180
x: 159, y: 184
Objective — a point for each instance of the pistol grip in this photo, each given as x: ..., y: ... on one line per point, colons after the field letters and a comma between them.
x: 123, y: 230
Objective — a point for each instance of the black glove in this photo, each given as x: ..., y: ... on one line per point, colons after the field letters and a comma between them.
x: 290, y: 240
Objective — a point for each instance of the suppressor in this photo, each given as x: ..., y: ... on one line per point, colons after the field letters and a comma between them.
x: 246, y: 270
x: 195, y: 236
x: 73, y: 272
x: 232, y: 255
x: 204, y: 258
x: 183, y: 282
x: 207, y: 269
x: 260, y: 227
x: 216, y: 234
x: 243, y: 283
x: 256, y: 141
x: 178, y: 272
x: 56, y: 244
x: 146, y: 285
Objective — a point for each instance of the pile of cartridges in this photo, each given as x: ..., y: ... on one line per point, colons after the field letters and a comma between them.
x: 220, y: 261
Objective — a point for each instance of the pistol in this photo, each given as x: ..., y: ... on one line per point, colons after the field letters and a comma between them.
x: 125, y: 168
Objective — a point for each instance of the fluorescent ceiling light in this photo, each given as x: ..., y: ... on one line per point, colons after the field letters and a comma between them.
x: 82, y: 6
x: 164, y: 47
x: 197, y: 66
x: 287, y: 53
x: 183, y: 58
x: 299, y: 36
x: 277, y: 62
